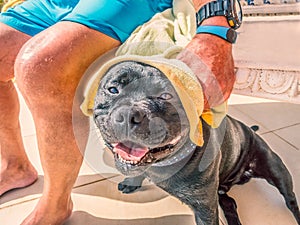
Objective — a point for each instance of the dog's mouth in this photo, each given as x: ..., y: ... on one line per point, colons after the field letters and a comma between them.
x: 136, y: 154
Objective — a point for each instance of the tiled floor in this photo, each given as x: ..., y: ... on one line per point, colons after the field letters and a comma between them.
x: 97, y: 201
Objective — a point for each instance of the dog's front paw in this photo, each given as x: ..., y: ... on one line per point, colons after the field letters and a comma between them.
x: 130, y: 184
x: 127, y: 189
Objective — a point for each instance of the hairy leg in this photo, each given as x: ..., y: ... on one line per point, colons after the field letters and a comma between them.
x: 16, y: 171
x: 48, y: 70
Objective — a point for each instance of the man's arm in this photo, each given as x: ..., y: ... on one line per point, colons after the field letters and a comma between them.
x: 210, y: 58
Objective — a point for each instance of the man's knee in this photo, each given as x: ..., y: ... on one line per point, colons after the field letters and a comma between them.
x: 29, y: 79
x: 51, y: 64
x: 47, y: 76
x: 41, y: 73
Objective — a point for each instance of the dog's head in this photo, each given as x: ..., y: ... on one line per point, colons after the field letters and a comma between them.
x: 139, y: 115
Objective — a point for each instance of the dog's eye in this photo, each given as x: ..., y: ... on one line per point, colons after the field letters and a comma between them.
x: 165, y: 96
x: 113, y: 90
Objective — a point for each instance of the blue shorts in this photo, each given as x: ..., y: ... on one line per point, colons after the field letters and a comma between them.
x: 115, y: 18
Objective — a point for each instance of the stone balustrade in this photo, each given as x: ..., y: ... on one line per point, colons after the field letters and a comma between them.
x: 275, y: 2
x: 267, y: 52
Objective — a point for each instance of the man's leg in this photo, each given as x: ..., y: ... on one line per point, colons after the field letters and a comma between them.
x: 48, y: 70
x: 16, y: 171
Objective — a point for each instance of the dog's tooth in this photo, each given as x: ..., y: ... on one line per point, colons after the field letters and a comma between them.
x: 149, y: 160
x: 175, y: 140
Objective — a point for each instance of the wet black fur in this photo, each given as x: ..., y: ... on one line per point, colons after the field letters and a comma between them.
x: 232, y: 154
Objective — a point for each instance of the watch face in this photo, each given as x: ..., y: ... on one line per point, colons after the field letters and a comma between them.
x: 237, y: 13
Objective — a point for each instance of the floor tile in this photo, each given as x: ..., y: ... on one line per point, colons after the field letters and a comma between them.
x: 288, y: 154
x: 18, y: 196
x: 273, y: 115
x: 102, y: 203
x: 236, y: 103
x: 233, y: 111
x: 82, y: 217
x: 258, y: 202
x: 109, y: 189
x: 236, y: 99
x: 291, y: 135
x: 15, y: 214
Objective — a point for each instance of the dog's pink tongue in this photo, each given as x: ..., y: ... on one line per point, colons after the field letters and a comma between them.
x: 133, y: 153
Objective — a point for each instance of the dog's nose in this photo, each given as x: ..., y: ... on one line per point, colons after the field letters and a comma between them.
x: 129, y: 115
x: 137, y: 116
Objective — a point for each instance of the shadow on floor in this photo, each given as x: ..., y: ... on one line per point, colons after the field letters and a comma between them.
x: 79, y: 218
x: 91, y: 185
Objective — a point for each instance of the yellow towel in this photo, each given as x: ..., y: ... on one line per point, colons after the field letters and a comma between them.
x: 157, y: 43
x: 10, y: 4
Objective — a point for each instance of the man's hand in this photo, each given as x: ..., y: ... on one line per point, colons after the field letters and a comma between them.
x: 210, y: 58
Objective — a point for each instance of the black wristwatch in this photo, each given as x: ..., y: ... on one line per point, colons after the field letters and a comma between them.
x: 231, y: 9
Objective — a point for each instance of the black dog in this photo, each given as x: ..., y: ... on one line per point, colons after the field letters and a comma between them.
x: 142, y: 120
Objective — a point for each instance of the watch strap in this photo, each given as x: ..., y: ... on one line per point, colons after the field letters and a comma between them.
x: 215, y: 8
x: 226, y: 33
